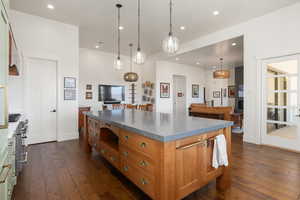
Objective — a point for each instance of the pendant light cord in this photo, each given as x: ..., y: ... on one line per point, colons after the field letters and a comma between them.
x: 139, y: 25
x: 171, y: 11
x: 119, y: 32
x: 130, y: 56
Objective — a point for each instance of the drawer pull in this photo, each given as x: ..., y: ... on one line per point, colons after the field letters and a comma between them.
x: 144, y: 181
x: 201, y: 142
x: 143, y: 145
x: 103, y: 151
x: 126, y: 168
x: 126, y: 137
x: 143, y: 163
x: 125, y: 153
x: 112, y: 158
x: 5, y: 173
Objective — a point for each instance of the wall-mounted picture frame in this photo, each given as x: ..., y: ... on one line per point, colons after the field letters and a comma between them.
x: 231, y: 91
x: 164, y: 90
x: 69, y: 82
x: 195, y: 90
x: 89, y: 95
x: 70, y: 94
x: 89, y: 87
x: 216, y: 94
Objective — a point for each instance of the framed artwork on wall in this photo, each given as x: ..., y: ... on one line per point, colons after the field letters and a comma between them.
x: 164, y: 90
x: 70, y: 94
x: 231, y: 91
x: 195, y: 91
x: 89, y: 95
x: 216, y: 94
x: 70, y: 82
x: 89, y: 87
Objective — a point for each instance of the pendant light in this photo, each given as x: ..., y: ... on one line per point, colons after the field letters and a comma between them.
x: 171, y: 43
x: 131, y: 76
x: 118, y: 63
x: 221, y: 73
x: 140, y: 57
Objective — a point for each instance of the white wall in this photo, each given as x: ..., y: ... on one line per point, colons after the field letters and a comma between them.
x: 275, y: 34
x: 96, y: 68
x: 47, y: 39
x: 165, y: 72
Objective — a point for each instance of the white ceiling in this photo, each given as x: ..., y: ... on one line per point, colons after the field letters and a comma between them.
x: 97, y: 18
x: 209, y: 56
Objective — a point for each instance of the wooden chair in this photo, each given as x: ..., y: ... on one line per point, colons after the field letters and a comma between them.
x: 130, y: 106
x: 143, y: 107
x: 117, y: 106
x: 150, y: 107
x: 104, y: 107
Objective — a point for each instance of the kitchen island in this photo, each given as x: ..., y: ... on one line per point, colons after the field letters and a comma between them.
x: 168, y: 156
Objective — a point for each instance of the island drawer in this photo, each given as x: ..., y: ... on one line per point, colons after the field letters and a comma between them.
x: 110, y: 154
x: 139, y: 143
x: 137, y: 160
x: 144, y: 181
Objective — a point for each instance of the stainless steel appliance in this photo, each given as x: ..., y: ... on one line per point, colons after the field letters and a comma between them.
x: 21, y: 149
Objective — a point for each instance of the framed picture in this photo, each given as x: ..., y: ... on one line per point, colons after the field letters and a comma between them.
x: 69, y: 82
x: 231, y: 91
x: 164, y: 90
x: 216, y: 94
x: 69, y: 94
x: 195, y: 91
x: 89, y: 87
x: 89, y: 95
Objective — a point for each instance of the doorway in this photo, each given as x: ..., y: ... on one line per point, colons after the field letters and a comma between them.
x: 179, y: 94
x: 280, y: 100
x: 41, y: 100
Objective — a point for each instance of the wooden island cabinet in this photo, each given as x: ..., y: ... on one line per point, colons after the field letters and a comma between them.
x: 165, y: 168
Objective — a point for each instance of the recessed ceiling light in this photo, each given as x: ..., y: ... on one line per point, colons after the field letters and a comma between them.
x: 233, y: 44
x: 197, y: 63
x: 182, y: 28
x: 216, y: 13
x: 121, y: 27
x: 97, y: 46
x: 50, y: 6
x: 177, y: 59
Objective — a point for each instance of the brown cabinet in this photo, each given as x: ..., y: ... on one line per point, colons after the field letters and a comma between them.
x: 163, y: 170
x: 81, y: 116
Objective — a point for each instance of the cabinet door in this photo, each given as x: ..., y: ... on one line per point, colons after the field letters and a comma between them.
x: 190, y: 168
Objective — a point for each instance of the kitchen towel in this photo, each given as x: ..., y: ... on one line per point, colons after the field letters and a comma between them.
x: 220, y: 152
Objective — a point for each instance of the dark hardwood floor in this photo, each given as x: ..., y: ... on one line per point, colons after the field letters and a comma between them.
x: 64, y: 171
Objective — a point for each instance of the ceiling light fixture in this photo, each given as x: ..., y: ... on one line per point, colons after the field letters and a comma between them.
x: 177, y: 59
x: 118, y: 63
x: 140, y: 57
x: 221, y: 73
x: 233, y: 44
x: 121, y: 28
x: 182, y: 28
x: 50, y: 6
x: 131, y: 76
x: 197, y: 63
x: 171, y: 43
x: 215, y: 13
x: 97, y: 46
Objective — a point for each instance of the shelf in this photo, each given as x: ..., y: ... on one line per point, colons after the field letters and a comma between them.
x: 109, y: 138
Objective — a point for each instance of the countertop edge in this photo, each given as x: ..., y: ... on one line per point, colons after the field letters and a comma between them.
x: 166, y: 138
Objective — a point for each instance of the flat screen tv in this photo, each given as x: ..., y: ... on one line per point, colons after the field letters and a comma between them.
x: 111, y: 94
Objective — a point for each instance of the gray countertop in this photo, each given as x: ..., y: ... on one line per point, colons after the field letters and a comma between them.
x: 163, y: 127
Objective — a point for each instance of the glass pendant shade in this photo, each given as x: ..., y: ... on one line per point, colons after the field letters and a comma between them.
x: 171, y: 44
x: 118, y: 65
x: 221, y: 74
x: 131, y: 77
x: 139, y: 58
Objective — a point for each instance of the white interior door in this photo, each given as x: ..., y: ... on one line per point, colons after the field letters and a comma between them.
x: 179, y: 93
x: 41, y: 100
x: 280, y: 92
